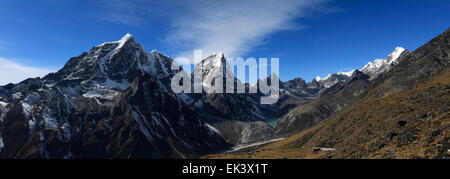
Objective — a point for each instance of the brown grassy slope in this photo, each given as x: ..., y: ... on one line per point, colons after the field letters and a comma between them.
x: 412, y: 124
x: 405, y: 115
x: 371, y: 129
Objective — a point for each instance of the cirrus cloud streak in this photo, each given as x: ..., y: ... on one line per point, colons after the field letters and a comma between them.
x: 233, y: 27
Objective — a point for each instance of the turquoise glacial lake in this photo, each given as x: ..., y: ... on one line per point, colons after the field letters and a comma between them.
x: 273, y: 122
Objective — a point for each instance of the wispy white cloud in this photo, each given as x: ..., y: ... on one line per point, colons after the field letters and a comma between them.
x: 13, y: 72
x: 233, y: 27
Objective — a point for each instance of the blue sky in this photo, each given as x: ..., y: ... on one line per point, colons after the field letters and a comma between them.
x: 311, y: 37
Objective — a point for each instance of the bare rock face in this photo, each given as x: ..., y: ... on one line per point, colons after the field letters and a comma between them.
x: 240, y: 117
x: 318, y: 110
x: 113, y: 101
x: 233, y: 114
x: 257, y: 131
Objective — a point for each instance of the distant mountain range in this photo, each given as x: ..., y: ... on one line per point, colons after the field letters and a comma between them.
x: 393, y: 108
x: 339, y: 90
x: 115, y: 101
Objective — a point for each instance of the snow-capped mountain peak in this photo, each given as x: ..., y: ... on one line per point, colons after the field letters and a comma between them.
x: 220, y: 55
x: 394, y: 56
x: 373, y: 66
x: 380, y: 66
x: 214, y: 62
x: 121, y: 42
x: 349, y: 74
x: 332, y: 79
x: 214, y: 66
x: 108, y: 69
x: 318, y: 78
x: 124, y: 40
x: 154, y: 51
x: 126, y: 37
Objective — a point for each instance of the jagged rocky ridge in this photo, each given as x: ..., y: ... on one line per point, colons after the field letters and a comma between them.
x: 82, y: 110
x: 241, y: 118
x: 113, y: 101
x: 381, y: 66
x: 315, y: 111
x: 337, y: 91
x: 405, y: 114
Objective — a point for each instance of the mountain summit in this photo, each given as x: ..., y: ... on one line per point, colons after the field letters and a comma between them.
x: 113, y: 101
x: 380, y: 66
